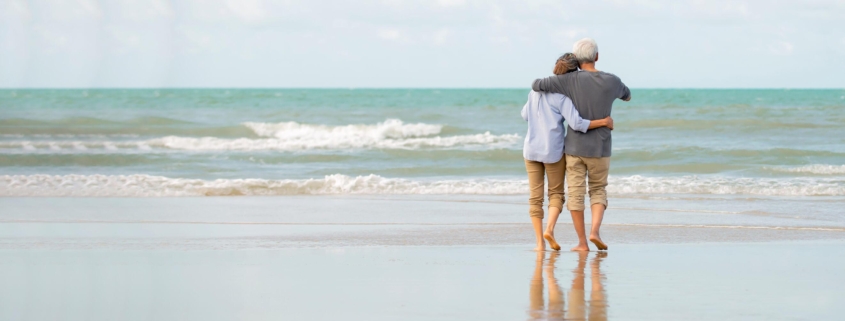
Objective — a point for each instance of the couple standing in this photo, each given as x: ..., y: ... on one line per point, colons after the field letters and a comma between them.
x: 583, y: 98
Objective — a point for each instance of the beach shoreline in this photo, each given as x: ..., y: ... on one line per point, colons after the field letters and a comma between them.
x: 384, y: 257
x: 352, y: 221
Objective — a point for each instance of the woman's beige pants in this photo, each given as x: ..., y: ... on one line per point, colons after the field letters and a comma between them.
x: 536, y: 172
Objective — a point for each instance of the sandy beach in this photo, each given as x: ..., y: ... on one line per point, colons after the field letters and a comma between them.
x: 382, y: 258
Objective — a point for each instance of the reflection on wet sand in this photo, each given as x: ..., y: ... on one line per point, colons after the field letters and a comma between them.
x: 578, y: 307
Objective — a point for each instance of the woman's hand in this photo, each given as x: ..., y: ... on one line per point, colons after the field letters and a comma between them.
x: 604, y: 122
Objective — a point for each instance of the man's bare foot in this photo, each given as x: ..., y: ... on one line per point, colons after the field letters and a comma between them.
x: 598, y: 242
x: 581, y: 248
x: 552, y: 243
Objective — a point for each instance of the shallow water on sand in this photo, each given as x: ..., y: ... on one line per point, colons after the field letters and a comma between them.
x: 655, y: 282
x: 414, y: 257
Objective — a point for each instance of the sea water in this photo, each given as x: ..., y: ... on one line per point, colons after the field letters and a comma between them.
x: 210, y: 142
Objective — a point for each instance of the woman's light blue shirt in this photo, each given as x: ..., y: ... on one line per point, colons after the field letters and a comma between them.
x: 545, y: 113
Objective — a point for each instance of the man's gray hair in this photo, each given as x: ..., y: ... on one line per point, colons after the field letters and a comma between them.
x: 585, y: 50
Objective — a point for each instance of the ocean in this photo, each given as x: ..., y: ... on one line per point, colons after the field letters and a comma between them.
x: 232, y: 142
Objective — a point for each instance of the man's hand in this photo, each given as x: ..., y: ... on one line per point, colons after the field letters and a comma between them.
x: 608, y: 122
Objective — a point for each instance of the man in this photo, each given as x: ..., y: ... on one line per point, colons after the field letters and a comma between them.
x: 587, y: 154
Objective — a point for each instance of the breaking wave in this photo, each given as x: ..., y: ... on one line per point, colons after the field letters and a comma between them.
x: 390, y: 128
x: 286, y: 136
x: 485, y: 140
x: 146, y: 185
x: 151, y: 186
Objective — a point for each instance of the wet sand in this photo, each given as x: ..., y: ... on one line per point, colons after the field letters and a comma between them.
x: 322, y: 221
x: 328, y: 258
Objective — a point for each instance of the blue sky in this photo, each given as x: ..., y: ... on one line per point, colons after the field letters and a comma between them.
x: 437, y: 43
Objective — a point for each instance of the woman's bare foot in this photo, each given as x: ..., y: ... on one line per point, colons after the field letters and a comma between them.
x: 541, y: 247
x: 549, y: 236
x: 598, y: 242
x: 581, y: 247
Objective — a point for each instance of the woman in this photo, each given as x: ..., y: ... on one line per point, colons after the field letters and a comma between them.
x: 543, y: 150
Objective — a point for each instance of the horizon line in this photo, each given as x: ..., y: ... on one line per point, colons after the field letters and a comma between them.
x: 402, y: 88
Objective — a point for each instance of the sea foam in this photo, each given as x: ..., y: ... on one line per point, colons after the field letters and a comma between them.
x: 390, y: 128
x: 147, y: 185
x: 821, y: 169
x: 485, y: 140
x: 286, y: 136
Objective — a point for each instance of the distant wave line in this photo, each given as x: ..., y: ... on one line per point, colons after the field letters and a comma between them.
x: 140, y: 185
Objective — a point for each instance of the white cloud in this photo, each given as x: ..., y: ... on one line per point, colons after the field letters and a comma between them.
x: 572, y: 33
x: 564, y: 38
x: 89, y: 7
x: 500, y: 39
x: 394, y: 35
x: 251, y: 11
x: 161, y: 8
x: 51, y: 37
x: 67, y: 11
x: 14, y: 10
x: 782, y: 48
x: 389, y: 34
x: 451, y: 3
x: 142, y: 10
x: 441, y: 36
x: 195, y: 41
x: 125, y: 40
x: 497, y: 15
x: 720, y: 8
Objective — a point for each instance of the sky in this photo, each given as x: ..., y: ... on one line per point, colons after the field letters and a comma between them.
x: 416, y: 44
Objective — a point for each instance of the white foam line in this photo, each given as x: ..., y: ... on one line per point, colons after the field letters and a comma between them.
x: 483, y: 140
x: 790, y: 228
x: 390, y: 128
x: 675, y: 210
x: 826, y: 229
x: 248, y: 223
x: 140, y: 185
x: 820, y: 169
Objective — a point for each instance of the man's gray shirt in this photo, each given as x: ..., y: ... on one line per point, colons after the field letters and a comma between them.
x: 593, y: 94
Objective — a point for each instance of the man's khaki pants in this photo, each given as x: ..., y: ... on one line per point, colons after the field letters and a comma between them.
x: 555, y: 173
x: 578, y: 169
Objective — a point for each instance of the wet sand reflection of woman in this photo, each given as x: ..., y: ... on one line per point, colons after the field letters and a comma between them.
x: 535, y: 296
x: 578, y: 307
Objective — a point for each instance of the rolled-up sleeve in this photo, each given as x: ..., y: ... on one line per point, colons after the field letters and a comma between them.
x: 572, y: 116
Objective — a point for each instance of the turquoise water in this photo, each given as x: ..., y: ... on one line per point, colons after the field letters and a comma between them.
x: 394, y: 141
